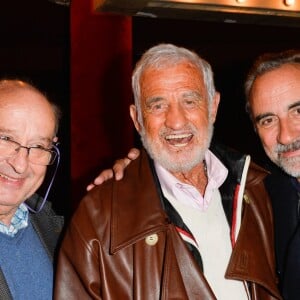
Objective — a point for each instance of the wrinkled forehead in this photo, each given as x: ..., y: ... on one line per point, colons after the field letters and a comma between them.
x: 172, y: 72
x: 275, y: 90
x: 281, y: 80
x: 24, y: 98
x: 26, y: 108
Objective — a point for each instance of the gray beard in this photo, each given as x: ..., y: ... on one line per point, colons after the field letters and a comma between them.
x: 188, y: 160
x: 288, y: 165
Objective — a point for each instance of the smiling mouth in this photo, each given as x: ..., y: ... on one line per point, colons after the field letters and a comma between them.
x: 9, y: 178
x: 179, y: 140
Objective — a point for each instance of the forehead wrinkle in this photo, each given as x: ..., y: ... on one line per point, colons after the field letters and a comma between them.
x: 15, y: 134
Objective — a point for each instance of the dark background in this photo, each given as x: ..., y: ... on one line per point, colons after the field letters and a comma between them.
x: 35, y: 46
x: 230, y: 48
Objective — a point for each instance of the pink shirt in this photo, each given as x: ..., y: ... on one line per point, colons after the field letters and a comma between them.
x: 188, y: 194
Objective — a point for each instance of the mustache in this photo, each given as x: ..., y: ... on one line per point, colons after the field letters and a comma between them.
x: 188, y: 128
x: 290, y: 147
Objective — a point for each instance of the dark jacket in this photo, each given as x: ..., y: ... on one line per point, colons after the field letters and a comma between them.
x: 121, y: 243
x: 284, y: 191
x: 48, y: 227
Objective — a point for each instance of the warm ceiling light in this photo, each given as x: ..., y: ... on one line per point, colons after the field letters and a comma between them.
x: 289, y: 2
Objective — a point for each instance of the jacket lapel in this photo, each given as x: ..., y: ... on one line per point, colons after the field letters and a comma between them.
x: 133, y: 203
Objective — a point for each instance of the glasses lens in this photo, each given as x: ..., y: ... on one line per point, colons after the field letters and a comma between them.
x: 41, y: 156
x: 8, y: 147
x: 36, y: 155
x: 52, y: 158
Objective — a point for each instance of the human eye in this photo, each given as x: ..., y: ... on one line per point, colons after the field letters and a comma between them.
x: 7, y: 140
x: 156, y: 106
x: 7, y: 146
x: 41, y: 143
x: 39, y: 151
x: 4, y: 138
x: 267, y: 121
x: 191, y: 100
x: 39, y: 147
x: 4, y: 141
x: 295, y: 111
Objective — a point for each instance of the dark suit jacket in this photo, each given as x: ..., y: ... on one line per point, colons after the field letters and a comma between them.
x: 48, y: 227
x: 285, y: 200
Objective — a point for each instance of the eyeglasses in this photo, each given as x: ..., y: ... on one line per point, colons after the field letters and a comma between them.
x: 37, y: 154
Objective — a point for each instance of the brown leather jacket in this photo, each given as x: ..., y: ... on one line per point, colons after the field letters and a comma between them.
x: 121, y: 244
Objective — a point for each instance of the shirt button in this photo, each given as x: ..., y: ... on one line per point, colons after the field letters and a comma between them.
x: 152, y: 239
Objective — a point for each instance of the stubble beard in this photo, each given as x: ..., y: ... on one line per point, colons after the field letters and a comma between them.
x: 290, y: 165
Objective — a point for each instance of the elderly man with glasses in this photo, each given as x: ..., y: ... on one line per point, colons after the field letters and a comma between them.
x: 29, y: 229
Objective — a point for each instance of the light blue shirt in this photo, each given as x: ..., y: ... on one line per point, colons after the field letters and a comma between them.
x: 18, y: 221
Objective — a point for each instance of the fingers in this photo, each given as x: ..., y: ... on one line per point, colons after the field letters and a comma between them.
x: 133, y: 153
x: 90, y: 186
x: 103, y: 176
x: 117, y: 170
x: 119, y: 167
x: 121, y: 164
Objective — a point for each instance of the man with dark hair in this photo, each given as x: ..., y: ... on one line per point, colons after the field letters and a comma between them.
x: 273, y: 102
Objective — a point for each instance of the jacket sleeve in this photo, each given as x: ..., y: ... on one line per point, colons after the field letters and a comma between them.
x: 77, y: 275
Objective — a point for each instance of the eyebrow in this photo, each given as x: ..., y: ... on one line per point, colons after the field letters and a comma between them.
x: 293, y: 105
x: 12, y: 132
x: 152, y: 100
x: 184, y: 94
x: 195, y: 94
x: 262, y: 116
x: 269, y: 114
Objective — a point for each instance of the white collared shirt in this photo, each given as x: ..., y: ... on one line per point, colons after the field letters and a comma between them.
x: 205, y: 218
x: 188, y: 194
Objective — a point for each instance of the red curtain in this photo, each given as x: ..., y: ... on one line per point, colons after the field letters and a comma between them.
x: 101, y: 64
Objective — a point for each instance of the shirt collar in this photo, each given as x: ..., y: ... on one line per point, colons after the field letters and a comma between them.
x: 188, y: 194
x: 18, y: 221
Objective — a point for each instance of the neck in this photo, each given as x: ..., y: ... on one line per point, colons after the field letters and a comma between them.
x: 6, y: 214
x: 196, y: 177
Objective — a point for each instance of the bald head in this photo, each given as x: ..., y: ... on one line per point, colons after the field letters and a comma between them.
x: 27, y: 119
x: 27, y: 96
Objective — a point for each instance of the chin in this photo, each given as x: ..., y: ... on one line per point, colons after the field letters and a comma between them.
x: 291, y: 166
x: 183, y: 161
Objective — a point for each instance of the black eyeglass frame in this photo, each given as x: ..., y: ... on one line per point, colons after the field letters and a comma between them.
x: 53, y: 153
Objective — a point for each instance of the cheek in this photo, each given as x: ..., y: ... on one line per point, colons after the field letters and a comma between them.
x: 39, y: 173
x: 267, y: 137
x: 200, y: 121
x: 152, y: 125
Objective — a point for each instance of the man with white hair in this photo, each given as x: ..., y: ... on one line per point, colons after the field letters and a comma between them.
x: 187, y: 221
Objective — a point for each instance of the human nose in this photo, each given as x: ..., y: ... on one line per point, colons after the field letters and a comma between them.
x: 175, y: 117
x: 19, y: 161
x: 287, y: 132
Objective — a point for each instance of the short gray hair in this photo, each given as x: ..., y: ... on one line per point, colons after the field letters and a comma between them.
x: 164, y: 55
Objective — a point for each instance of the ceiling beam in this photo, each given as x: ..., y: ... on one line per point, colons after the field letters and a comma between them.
x: 271, y: 12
